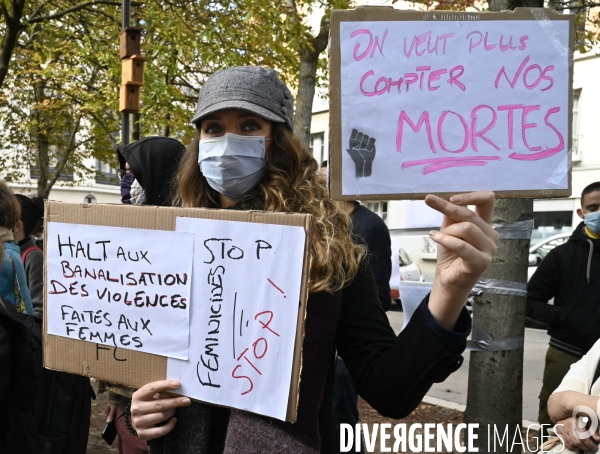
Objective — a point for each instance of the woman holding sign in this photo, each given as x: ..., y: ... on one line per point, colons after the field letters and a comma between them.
x: 245, y: 156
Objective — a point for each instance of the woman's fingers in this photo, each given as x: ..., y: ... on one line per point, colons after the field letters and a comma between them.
x: 153, y: 432
x: 464, y: 250
x: 483, y: 201
x: 151, y: 419
x: 472, y: 234
x: 148, y: 391
x: 158, y: 405
x: 458, y: 213
x: 150, y: 406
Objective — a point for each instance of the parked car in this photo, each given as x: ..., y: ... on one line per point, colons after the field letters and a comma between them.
x: 538, y: 251
x: 409, y: 271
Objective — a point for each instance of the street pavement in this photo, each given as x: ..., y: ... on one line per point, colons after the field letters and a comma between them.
x: 454, y: 389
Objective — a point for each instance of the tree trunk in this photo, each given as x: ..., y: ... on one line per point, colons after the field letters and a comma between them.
x: 309, y: 60
x: 43, y: 146
x: 495, y: 392
x: 13, y: 27
x: 495, y: 395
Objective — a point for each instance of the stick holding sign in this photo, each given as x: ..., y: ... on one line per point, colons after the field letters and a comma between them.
x: 244, y: 313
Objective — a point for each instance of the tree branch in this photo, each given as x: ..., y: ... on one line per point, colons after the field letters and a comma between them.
x: 66, y: 155
x: 71, y: 10
x: 5, y: 12
x: 103, y: 126
x: 321, y: 40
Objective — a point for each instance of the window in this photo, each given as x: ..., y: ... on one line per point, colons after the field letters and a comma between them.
x: 90, y: 198
x: 105, y: 174
x: 549, y: 223
x: 317, y: 147
x: 576, y: 106
x: 379, y: 208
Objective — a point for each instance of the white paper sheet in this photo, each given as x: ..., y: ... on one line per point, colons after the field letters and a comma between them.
x: 411, y: 296
x: 245, y: 302
x: 454, y: 106
x: 127, y: 288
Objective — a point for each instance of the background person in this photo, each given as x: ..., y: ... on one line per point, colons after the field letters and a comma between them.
x: 32, y: 218
x: 570, y: 274
x: 13, y: 282
x: 245, y: 156
x: 150, y: 165
x: 580, y: 386
x: 369, y: 230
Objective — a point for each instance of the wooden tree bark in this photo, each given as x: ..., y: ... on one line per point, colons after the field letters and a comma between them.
x: 309, y: 59
x: 495, y: 392
x: 12, y: 21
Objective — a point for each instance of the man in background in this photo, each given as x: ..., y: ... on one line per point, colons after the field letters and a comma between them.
x: 570, y: 274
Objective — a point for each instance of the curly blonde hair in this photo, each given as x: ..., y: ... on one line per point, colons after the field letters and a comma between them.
x: 291, y: 184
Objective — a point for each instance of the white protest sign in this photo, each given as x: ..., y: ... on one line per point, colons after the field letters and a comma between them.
x: 453, y: 105
x: 123, y: 287
x: 245, y: 302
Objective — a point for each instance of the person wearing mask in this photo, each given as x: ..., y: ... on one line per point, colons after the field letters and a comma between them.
x: 570, y: 274
x: 32, y: 217
x: 147, y: 169
x: 245, y: 156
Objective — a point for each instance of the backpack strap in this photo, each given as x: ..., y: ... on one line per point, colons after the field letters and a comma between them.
x: 21, y: 318
x: 27, y: 251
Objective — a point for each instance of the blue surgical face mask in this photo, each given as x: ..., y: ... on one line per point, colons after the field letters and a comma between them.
x: 592, y: 220
x: 232, y: 164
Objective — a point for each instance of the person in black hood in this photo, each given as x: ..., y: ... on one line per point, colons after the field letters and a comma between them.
x: 570, y: 274
x: 152, y: 162
x: 150, y: 165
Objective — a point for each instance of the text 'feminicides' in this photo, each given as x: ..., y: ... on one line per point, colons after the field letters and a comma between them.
x: 121, y: 287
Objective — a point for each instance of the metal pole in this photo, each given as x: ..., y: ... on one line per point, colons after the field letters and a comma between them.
x: 126, y: 7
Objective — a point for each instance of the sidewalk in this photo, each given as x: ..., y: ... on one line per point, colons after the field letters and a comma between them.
x: 453, y: 392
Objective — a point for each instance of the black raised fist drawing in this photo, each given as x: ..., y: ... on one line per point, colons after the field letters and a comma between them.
x: 362, y: 152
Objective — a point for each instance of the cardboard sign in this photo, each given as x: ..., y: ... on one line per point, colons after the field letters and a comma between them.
x: 136, y: 368
x: 437, y: 102
x: 246, y: 283
x: 117, y: 287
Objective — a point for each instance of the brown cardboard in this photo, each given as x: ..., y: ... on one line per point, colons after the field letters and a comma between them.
x: 381, y: 13
x: 133, y: 368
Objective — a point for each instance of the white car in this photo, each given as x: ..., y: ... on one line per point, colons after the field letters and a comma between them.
x: 408, y: 271
x: 539, y: 250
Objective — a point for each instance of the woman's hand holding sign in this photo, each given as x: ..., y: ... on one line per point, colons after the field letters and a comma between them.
x: 466, y: 244
x: 150, y: 405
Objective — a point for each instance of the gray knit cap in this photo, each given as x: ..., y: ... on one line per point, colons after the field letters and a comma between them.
x: 253, y: 88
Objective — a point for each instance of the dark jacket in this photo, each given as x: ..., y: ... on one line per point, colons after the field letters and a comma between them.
x: 391, y: 372
x: 34, y: 271
x: 570, y: 274
x: 153, y: 161
x: 370, y: 230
